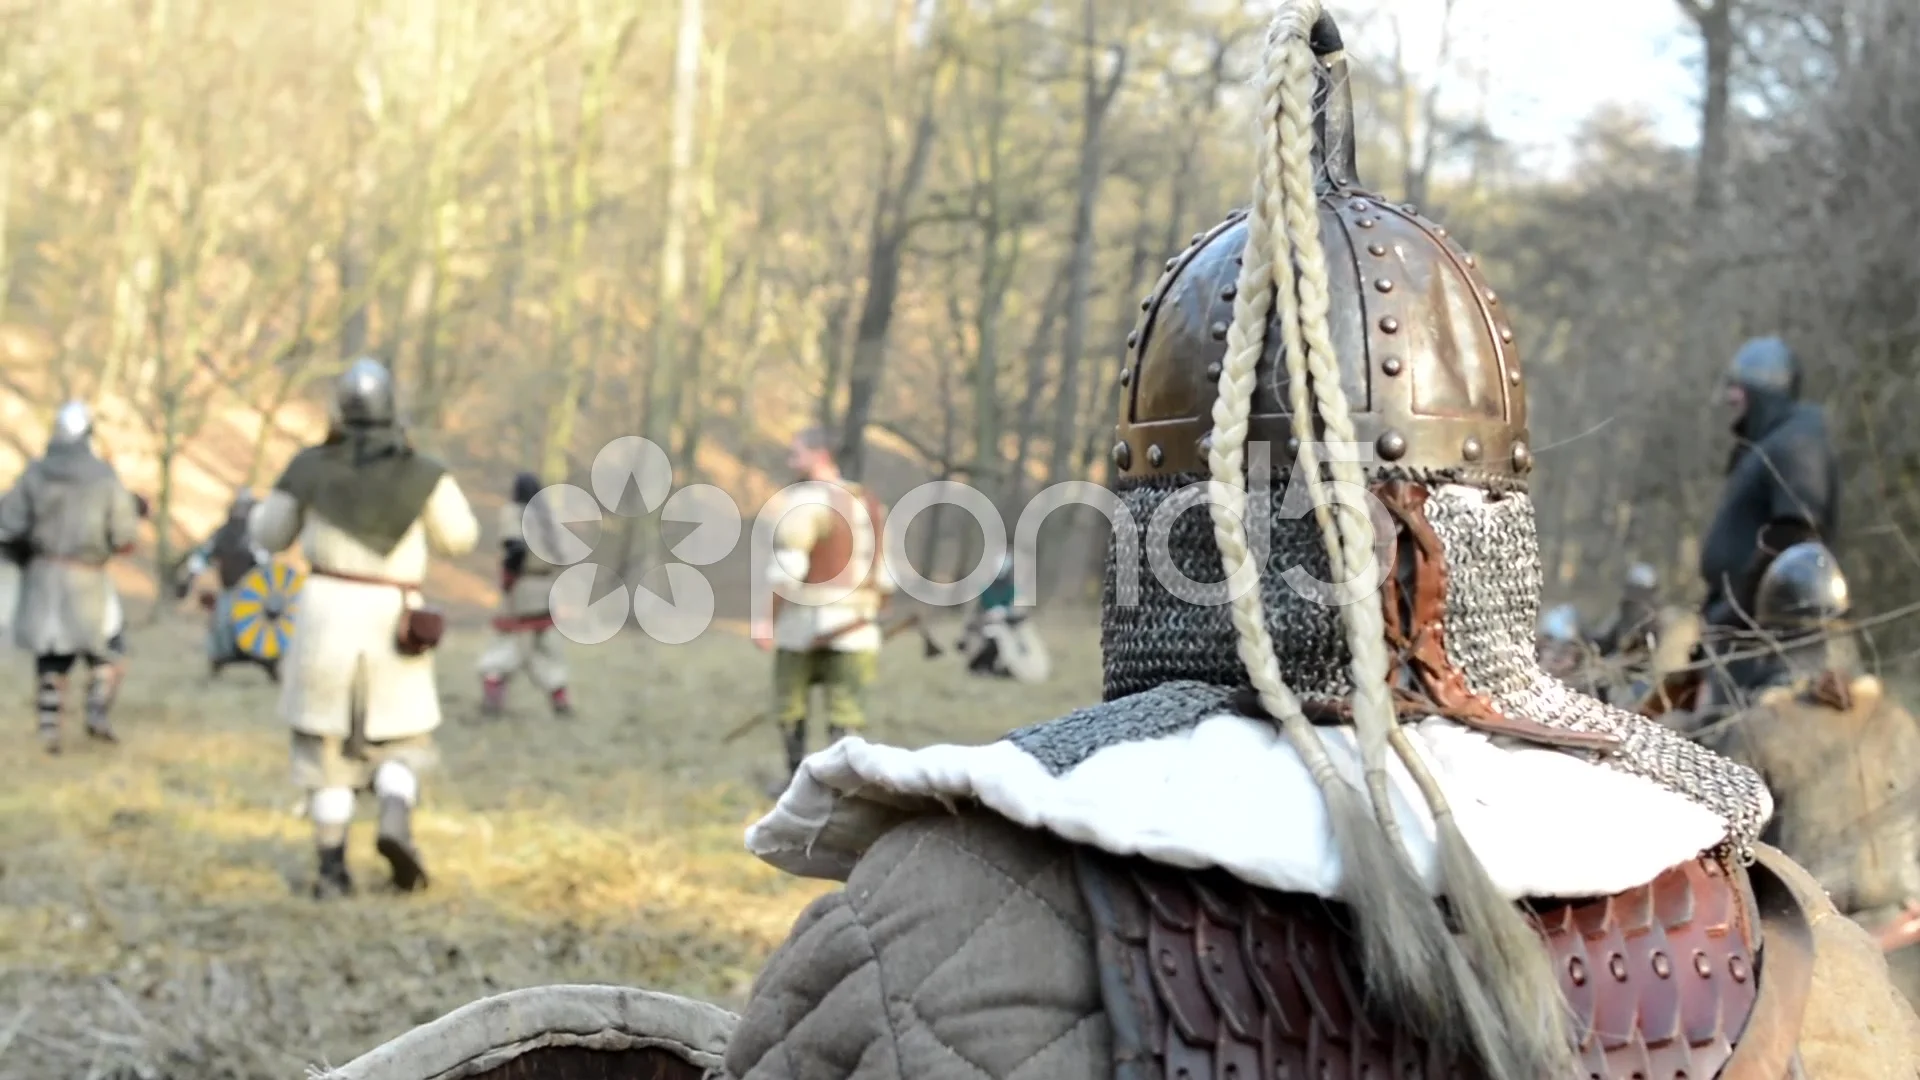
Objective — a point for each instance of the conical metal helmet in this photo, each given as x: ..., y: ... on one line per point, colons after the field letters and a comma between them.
x: 1426, y: 351
x: 1802, y: 588
x: 1767, y: 365
x: 364, y: 393
x: 72, y: 425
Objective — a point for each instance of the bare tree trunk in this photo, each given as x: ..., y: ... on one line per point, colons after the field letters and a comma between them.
x: 833, y: 350
x: 1039, y: 347
x: 1097, y: 98
x: 1717, y: 41
x: 892, y: 226
x: 713, y: 272
x: 664, y: 378
x: 575, y: 361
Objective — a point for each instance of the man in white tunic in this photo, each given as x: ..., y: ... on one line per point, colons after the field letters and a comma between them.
x: 368, y: 510
x: 523, y: 635
x: 833, y: 587
x: 68, y: 516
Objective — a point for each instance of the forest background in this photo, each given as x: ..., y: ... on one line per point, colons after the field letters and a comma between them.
x: 925, y: 224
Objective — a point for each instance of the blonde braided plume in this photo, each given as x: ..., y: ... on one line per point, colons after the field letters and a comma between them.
x: 1513, y: 1017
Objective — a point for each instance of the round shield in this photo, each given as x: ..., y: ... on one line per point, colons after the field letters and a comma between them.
x: 263, y: 610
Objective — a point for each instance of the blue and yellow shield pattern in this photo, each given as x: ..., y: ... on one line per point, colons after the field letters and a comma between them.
x: 264, y: 605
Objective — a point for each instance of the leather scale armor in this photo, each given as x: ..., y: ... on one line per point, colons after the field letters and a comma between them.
x: 1207, y: 978
x: 840, y: 557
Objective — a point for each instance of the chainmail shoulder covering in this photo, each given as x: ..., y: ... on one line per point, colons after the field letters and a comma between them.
x: 1492, y: 553
x: 1164, y: 637
x: 1164, y: 710
x: 1493, y: 601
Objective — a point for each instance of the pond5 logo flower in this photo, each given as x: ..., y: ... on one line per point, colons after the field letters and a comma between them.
x: 673, y: 602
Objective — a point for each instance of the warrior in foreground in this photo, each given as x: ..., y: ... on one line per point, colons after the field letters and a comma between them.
x: 69, y: 515
x: 1840, y: 755
x: 231, y: 553
x: 359, y: 693
x: 826, y: 555
x: 523, y: 635
x: 1236, y: 864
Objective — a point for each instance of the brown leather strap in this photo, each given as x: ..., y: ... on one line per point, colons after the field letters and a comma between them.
x: 1416, y: 630
x: 1767, y: 1048
x: 364, y: 579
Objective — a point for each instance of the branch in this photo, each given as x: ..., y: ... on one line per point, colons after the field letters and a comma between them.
x: 1694, y: 10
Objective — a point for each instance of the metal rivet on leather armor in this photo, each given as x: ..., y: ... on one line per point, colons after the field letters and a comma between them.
x: 1617, y: 966
x: 1219, y: 331
x: 1155, y: 455
x: 1513, y: 377
x: 1471, y: 449
x: 1439, y: 230
x: 1391, y: 365
x: 1122, y: 456
x: 1393, y: 446
x: 1390, y: 325
x: 1409, y: 208
x: 1173, y: 262
x: 1701, y: 966
x: 1577, y: 971
x: 1493, y: 298
x: 1661, y: 965
x: 1737, y: 967
x: 1126, y: 377
x: 1196, y: 238
x: 1229, y: 293
x: 1522, y: 457
x: 1146, y: 302
x: 1361, y: 205
x: 1366, y: 223
x: 1470, y: 260
x: 1383, y: 285
x: 1293, y: 445
x: 1213, y: 958
x: 1213, y: 371
x: 1133, y: 338
x: 1205, y: 443
x: 1167, y: 963
x: 1506, y: 335
x: 1378, y: 251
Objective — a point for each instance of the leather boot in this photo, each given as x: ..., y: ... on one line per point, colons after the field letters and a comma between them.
x: 102, y: 688
x: 796, y: 737
x: 396, y: 844
x: 493, y: 695
x: 52, y: 693
x: 333, y: 879
x: 562, y: 704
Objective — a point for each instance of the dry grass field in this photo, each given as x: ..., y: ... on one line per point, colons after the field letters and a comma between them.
x: 153, y: 915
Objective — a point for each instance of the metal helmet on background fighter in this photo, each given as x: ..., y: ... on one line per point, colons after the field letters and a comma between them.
x: 72, y: 426
x: 363, y: 395
x: 1347, y: 321
x: 1767, y: 366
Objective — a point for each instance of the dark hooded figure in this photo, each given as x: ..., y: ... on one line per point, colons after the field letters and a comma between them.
x: 1782, y: 484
